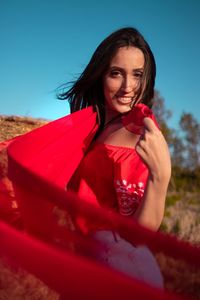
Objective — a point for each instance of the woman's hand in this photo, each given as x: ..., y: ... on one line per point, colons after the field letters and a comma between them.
x: 154, y: 151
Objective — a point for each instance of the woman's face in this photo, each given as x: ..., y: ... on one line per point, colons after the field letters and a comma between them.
x: 122, y: 80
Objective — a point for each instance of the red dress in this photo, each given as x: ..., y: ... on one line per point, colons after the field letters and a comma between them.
x: 113, y: 177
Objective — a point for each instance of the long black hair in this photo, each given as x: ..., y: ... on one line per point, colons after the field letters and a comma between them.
x: 87, y: 89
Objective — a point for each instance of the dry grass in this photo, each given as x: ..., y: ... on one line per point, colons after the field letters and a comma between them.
x: 179, y: 277
x: 11, y: 126
x: 17, y: 284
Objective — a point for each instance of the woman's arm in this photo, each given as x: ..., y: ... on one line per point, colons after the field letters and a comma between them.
x: 154, y: 151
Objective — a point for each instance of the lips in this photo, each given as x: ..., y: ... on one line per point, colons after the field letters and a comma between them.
x: 124, y: 100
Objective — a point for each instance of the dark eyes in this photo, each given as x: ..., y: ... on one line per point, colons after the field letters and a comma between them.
x: 138, y: 74
x: 118, y: 73
x: 115, y: 73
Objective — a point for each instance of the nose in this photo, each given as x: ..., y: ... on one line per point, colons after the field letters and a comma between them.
x: 127, y: 84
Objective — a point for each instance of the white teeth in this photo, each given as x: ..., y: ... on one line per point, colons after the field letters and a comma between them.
x: 125, y: 100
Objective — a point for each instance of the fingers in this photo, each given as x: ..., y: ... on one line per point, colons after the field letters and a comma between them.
x: 153, y: 150
x: 142, y: 146
x: 141, y: 149
x: 150, y: 125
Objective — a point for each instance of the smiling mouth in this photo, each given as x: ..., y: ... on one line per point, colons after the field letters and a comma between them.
x: 124, y: 100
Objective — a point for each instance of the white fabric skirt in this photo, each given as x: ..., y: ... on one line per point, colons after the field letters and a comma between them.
x: 137, y: 262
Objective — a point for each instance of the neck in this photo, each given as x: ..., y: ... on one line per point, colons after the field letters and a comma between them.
x: 111, y: 115
x: 111, y: 119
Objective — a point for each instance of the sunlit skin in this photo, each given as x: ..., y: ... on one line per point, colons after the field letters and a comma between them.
x: 122, y: 80
x: 120, y: 84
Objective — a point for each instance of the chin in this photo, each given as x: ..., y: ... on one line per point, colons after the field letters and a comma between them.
x: 116, y: 108
x: 122, y: 108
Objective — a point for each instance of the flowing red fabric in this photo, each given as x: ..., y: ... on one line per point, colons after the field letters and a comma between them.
x: 54, y: 150
x: 40, y: 165
x: 72, y: 276
x: 133, y: 121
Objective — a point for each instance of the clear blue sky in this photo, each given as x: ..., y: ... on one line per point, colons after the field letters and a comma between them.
x: 45, y: 43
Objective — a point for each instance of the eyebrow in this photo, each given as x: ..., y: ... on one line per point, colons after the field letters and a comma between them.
x: 121, y: 69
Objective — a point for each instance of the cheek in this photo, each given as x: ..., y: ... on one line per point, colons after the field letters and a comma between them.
x: 111, y: 86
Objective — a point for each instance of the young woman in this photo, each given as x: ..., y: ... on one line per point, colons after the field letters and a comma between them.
x: 122, y: 170
x: 107, y: 153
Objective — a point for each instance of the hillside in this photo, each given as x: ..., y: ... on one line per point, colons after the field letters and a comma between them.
x: 11, y: 126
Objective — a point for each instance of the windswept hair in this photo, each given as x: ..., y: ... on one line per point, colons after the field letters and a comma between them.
x: 88, y: 90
